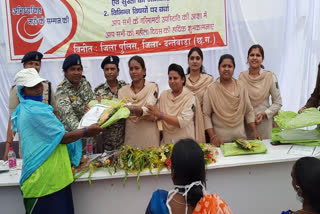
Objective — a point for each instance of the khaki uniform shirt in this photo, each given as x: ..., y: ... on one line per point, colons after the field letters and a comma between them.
x: 185, y: 118
x: 224, y: 132
x: 265, y: 127
x: 142, y: 133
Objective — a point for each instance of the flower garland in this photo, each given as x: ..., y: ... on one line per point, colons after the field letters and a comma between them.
x: 135, y: 160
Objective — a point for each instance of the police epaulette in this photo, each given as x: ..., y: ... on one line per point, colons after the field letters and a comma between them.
x: 98, y: 87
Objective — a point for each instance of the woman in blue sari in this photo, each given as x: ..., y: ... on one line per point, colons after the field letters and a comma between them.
x: 189, y: 178
x: 46, y: 171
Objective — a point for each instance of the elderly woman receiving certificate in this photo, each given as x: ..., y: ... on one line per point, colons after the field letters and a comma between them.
x: 178, y: 110
x: 46, y: 171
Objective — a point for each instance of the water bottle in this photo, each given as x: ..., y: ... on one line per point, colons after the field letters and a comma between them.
x: 89, y: 147
x: 12, y: 159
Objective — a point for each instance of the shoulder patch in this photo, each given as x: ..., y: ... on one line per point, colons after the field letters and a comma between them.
x: 73, y: 98
x: 122, y: 82
x: 98, y: 87
x: 46, y: 83
x: 277, y: 85
x: 154, y: 83
x: 61, y: 84
x: 155, y: 94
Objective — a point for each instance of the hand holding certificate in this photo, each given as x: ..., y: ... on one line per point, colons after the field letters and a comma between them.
x: 105, y: 114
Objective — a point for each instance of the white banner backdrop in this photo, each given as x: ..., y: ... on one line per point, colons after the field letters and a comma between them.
x: 287, y: 29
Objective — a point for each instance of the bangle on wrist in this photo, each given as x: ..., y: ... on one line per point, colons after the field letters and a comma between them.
x: 213, y: 137
x: 85, y: 134
x: 161, y: 115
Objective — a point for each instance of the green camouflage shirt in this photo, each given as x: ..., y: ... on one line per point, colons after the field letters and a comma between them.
x: 71, y: 102
x: 104, y: 91
x: 113, y: 136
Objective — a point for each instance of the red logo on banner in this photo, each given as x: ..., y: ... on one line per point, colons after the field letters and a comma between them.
x: 33, y: 30
x: 25, y: 32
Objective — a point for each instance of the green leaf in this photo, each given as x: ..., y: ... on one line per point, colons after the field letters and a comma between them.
x: 292, y: 120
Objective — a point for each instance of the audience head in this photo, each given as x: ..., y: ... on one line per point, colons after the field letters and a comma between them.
x: 188, y: 166
x: 306, y: 181
x: 195, y: 60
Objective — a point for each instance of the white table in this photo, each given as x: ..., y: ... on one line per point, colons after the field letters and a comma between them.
x: 249, y: 184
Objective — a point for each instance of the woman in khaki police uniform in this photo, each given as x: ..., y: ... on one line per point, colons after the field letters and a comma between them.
x: 197, y: 80
x: 141, y: 127
x: 179, y: 110
x: 226, y: 106
x: 261, y: 84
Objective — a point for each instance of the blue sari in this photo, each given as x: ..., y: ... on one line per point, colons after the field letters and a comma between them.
x: 40, y: 133
x: 157, y: 204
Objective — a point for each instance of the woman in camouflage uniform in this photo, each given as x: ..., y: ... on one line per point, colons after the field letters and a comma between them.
x: 73, y: 93
x: 113, y: 136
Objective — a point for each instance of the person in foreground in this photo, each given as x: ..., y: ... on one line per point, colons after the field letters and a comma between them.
x: 305, y: 175
x: 46, y: 171
x: 189, y: 178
